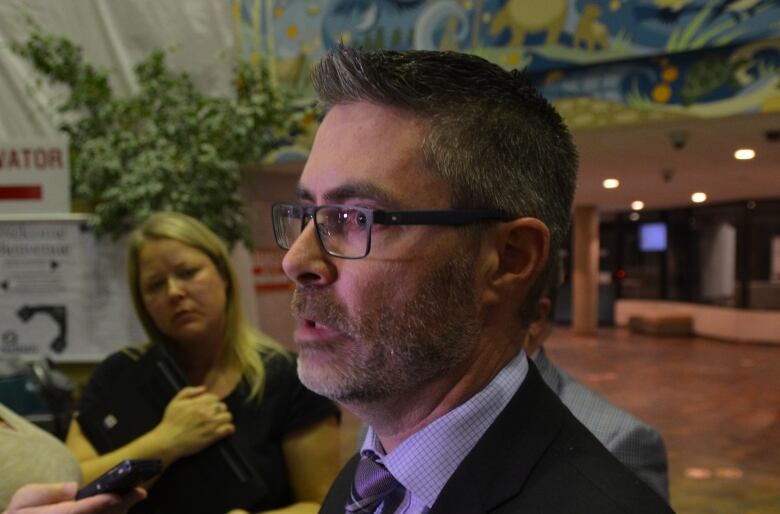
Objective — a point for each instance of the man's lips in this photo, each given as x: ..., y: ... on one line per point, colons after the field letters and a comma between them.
x: 311, y: 331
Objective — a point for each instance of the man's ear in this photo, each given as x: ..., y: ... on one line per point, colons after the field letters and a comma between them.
x: 524, y: 245
x: 515, y: 256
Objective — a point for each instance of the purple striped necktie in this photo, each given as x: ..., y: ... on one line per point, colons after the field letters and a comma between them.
x: 373, y: 483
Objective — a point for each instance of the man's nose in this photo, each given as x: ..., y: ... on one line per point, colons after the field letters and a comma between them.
x: 306, y: 263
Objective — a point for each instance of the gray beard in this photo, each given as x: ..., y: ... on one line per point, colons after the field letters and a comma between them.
x: 394, y: 348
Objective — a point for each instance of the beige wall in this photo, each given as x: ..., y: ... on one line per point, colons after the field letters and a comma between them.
x: 263, y: 187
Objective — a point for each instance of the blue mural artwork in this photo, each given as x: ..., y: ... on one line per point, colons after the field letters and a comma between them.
x: 712, y: 83
x: 666, y: 56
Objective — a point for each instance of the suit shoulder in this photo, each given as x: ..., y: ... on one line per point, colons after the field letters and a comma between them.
x: 594, y: 480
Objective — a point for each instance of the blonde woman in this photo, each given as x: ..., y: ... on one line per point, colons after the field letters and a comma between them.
x: 243, y: 384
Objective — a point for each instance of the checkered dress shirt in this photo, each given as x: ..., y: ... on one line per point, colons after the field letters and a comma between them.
x: 424, y: 462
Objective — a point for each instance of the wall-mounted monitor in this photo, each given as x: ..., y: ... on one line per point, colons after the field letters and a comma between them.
x: 652, y: 237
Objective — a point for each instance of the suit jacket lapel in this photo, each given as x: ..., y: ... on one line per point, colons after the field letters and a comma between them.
x: 500, y: 463
x: 339, y: 492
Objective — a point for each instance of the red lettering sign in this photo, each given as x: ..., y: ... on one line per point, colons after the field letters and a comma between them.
x: 21, y: 193
x: 31, y: 158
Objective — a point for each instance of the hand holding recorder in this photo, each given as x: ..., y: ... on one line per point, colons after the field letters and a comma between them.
x: 122, y: 478
x: 59, y: 499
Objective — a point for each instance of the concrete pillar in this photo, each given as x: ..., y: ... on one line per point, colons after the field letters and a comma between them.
x: 585, y: 273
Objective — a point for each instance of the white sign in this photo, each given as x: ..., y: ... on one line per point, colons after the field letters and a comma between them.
x: 62, y: 292
x: 34, y: 176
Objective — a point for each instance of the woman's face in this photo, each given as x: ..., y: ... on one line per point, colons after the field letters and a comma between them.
x: 182, y: 290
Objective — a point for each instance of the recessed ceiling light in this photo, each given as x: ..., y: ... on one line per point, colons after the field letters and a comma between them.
x: 637, y: 205
x: 744, y: 154
x: 699, y: 197
x: 611, y: 183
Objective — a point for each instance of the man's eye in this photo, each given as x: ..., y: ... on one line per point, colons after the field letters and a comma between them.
x: 352, y: 218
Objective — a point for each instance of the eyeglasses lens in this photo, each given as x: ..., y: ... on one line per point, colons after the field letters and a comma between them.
x: 287, y: 220
x: 343, y: 231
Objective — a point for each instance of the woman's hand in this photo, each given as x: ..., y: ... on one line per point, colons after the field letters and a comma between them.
x: 193, y: 420
x: 59, y: 499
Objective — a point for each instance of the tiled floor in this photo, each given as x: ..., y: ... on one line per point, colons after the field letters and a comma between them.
x: 716, y: 404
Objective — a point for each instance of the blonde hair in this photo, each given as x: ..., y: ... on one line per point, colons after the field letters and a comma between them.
x: 244, y: 343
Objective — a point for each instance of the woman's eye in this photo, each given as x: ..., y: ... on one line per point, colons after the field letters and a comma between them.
x: 188, y: 272
x: 154, y: 285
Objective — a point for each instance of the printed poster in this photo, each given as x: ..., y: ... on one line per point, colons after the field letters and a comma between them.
x: 62, y: 291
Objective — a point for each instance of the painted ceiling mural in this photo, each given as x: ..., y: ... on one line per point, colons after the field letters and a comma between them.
x: 600, y: 61
x: 712, y: 83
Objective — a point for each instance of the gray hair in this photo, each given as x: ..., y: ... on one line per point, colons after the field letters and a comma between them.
x: 491, y: 135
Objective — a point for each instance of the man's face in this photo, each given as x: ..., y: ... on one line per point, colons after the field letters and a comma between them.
x: 407, y: 313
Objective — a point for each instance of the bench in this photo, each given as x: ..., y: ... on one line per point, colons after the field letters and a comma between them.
x: 665, y: 325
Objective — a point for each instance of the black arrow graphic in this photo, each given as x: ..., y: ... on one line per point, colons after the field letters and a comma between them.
x: 58, y: 313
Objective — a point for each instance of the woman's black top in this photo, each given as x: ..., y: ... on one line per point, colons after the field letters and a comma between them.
x: 286, y: 407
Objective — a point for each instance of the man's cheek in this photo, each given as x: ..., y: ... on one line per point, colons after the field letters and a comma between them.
x: 376, y: 294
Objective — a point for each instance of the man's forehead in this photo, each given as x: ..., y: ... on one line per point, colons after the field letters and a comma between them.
x: 369, y: 152
x: 425, y: 192
x: 350, y: 189
x: 371, y: 127
x: 371, y: 114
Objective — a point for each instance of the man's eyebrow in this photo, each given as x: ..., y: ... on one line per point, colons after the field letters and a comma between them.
x: 353, y: 191
x: 303, y: 194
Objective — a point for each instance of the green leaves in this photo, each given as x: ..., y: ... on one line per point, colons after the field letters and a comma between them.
x: 166, y: 147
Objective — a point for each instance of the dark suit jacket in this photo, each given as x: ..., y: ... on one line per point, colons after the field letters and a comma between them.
x: 536, y: 458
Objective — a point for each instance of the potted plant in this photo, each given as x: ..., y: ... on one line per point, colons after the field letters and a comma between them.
x: 167, y: 146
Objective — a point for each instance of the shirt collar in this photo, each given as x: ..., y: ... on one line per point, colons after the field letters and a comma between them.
x: 426, y: 460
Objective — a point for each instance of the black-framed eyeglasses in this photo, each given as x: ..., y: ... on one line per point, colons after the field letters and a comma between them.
x: 344, y: 231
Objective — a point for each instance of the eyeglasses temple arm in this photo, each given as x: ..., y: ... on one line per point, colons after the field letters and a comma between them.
x: 453, y: 217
